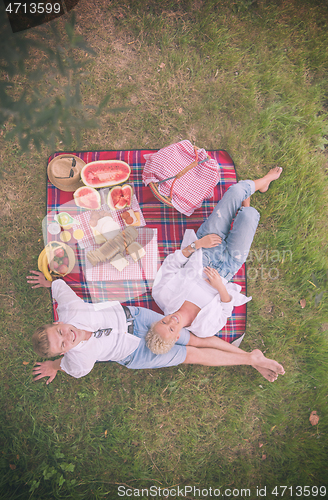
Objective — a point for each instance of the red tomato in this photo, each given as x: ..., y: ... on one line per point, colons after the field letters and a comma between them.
x: 53, y: 265
x: 63, y: 269
x: 59, y: 252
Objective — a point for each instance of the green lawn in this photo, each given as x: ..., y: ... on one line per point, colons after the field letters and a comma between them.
x: 246, y: 76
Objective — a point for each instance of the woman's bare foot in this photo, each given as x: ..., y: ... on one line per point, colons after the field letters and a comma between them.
x: 263, y: 184
x: 269, y: 368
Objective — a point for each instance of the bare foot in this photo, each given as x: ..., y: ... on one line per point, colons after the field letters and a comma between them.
x: 268, y: 374
x: 247, y: 202
x: 263, y: 184
x: 269, y: 368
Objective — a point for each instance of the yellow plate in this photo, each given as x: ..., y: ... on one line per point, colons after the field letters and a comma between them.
x: 65, y: 236
x: 78, y: 234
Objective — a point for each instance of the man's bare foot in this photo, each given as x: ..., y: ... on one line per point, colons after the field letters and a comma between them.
x: 247, y: 202
x: 263, y: 184
x: 269, y: 368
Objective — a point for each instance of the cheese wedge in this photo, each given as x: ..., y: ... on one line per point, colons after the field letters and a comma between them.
x: 119, y: 262
x: 105, y: 229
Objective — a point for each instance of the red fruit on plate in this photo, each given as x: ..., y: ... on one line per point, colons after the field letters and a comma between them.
x: 87, y: 197
x: 62, y: 269
x: 65, y: 261
x: 103, y: 173
x: 127, y: 194
x: 120, y: 197
x: 59, y: 252
x: 53, y: 265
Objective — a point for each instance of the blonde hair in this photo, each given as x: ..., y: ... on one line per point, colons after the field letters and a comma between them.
x: 155, y: 343
x: 41, y: 343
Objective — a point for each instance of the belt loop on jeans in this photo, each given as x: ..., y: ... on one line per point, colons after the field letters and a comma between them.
x: 129, y: 319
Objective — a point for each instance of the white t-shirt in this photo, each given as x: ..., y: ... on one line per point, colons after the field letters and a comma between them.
x: 72, y: 310
x: 201, y: 293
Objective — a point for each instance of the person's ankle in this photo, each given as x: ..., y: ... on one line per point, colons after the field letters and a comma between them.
x: 255, y: 355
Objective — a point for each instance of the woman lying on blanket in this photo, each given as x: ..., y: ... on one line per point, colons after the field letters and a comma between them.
x: 191, y: 286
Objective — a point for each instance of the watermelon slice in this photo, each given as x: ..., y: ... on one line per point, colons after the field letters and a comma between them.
x: 87, y: 197
x: 98, y: 174
x: 127, y: 194
x: 120, y: 197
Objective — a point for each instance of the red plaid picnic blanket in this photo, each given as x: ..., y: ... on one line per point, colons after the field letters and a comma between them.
x: 170, y: 226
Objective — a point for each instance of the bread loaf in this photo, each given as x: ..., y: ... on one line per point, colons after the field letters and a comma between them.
x: 112, y: 247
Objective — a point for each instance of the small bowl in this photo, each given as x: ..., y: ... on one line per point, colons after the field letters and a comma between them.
x: 65, y: 220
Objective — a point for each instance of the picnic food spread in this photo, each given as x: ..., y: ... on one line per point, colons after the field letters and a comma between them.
x: 113, y: 234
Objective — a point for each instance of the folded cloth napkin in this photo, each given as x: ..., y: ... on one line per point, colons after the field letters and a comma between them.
x: 193, y: 187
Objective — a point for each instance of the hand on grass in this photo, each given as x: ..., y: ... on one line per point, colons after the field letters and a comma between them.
x: 209, y: 241
x: 38, y: 280
x: 45, y: 369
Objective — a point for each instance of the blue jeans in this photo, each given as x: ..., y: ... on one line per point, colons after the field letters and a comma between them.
x: 142, y: 357
x: 228, y: 257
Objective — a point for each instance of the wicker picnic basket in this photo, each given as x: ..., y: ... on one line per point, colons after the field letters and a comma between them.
x: 167, y: 161
x: 167, y: 200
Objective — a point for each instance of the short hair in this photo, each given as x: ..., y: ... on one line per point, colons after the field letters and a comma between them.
x: 41, y: 343
x: 155, y: 343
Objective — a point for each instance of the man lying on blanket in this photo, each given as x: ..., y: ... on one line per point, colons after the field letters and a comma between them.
x: 108, y: 331
x: 203, y: 302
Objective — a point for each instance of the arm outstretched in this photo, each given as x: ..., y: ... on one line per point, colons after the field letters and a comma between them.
x: 46, y: 369
x: 38, y: 280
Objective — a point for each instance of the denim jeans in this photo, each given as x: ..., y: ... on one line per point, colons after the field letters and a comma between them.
x: 228, y: 257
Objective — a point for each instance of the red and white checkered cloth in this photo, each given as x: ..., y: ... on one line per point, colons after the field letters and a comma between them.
x: 192, y: 188
x: 144, y: 269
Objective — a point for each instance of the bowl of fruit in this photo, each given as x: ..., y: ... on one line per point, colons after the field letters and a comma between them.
x: 59, y: 259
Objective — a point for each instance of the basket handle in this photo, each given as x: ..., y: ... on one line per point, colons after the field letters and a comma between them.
x: 187, y: 168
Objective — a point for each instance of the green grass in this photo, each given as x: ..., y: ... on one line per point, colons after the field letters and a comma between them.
x: 248, y: 77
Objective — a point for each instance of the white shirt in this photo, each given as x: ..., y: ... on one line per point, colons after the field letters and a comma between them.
x: 178, y: 275
x: 72, y: 310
